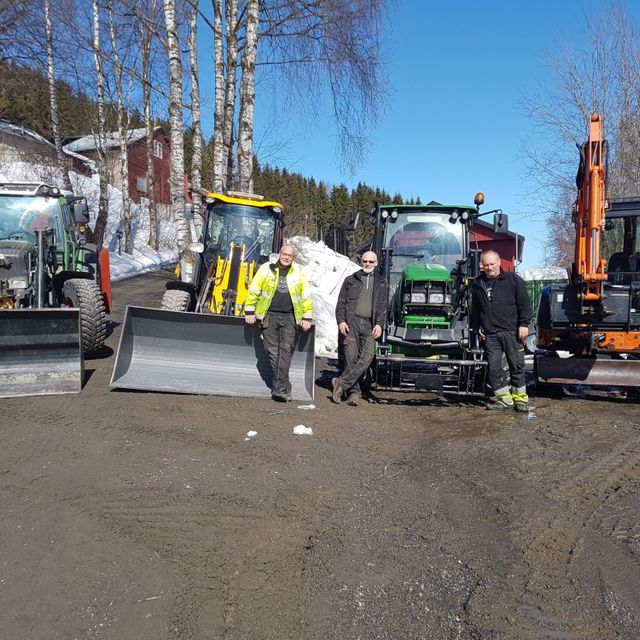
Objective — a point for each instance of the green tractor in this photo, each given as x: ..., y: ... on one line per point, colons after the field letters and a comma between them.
x: 54, y: 290
x: 426, y: 256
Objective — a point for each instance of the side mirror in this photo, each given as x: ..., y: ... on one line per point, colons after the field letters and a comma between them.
x: 81, y: 212
x: 188, y: 211
x: 500, y: 223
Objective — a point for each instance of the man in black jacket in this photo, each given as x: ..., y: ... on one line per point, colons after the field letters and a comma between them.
x: 502, y: 313
x: 361, y: 312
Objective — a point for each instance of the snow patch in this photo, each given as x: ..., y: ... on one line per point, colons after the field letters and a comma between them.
x: 301, y: 430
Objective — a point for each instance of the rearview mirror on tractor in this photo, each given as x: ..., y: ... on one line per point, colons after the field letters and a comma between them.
x: 500, y: 223
x: 81, y: 212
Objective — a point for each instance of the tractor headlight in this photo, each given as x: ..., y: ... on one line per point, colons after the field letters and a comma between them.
x: 17, y: 283
x: 447, y: 298
x: 419, y: 298
x: 436, y: 298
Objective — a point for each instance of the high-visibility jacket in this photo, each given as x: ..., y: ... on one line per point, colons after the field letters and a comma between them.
x: 263, y: 288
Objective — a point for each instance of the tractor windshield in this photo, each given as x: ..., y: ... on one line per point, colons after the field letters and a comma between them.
x: 22, y: 216
x: 251, y: 227
x: 424, y: 237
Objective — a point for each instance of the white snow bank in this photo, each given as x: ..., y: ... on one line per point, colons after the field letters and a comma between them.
x: 326, y: 271
x: 543, y: 273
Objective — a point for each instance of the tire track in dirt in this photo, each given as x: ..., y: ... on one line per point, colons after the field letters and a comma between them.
x: 552, y: 600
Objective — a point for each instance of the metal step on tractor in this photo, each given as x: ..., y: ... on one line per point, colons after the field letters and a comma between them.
x: 55, y: 290
x: 198, y: 342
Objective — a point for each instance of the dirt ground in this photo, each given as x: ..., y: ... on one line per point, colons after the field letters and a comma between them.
x: 150, y: 516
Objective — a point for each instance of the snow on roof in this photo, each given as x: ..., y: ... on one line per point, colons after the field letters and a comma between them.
x: 21, y: 131
x: 544, y: 273
x: 112, y: 139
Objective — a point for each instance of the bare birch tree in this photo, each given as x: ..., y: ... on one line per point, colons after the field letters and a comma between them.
x: 219, y: 170
x: 53, y: 98
x: 196, y: 159
x: 146, y: 20
x: 103, y: 202
x: 123, y: 126
x: 231, y: 36
x: 176, y: 179
x: 248, y: 98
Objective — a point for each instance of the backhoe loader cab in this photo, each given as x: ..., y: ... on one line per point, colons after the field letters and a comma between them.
x: 54, y: 290
x: 240, y: 233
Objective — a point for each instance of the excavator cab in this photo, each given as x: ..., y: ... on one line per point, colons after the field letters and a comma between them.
x: 620, y: 246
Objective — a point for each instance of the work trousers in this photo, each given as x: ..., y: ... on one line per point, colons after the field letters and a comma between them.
x: 279, y: 336
x: 359, y: 350
x: 495, y: 345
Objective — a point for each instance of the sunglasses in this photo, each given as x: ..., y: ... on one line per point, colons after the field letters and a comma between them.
x: 368, y: 262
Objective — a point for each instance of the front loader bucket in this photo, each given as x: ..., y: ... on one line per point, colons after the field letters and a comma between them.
x: 590, y: 371
x: 40, y: 352
x: 181, y: 352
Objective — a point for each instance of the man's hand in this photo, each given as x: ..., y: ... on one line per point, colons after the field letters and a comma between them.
x: 250, y: 319
x: 305, y: 325
x: 343, y: 328
x: 482, y: 334
x: 523, y: 332
x: 376, y: 332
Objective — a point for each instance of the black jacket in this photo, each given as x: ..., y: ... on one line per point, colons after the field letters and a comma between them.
x: 509, y: 307
x: 350, y: 292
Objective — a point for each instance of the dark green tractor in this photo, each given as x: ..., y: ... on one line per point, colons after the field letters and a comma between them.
x: 426, y: 256
x: 54, y: 290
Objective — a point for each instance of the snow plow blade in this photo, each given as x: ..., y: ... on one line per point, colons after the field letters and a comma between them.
x: 182, y: 352
x: 40, y: 352
x: 590, y: 371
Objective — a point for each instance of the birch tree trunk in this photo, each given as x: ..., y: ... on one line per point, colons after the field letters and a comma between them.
x: 145, y: 50
x: 219, y: 164
x: 248, y: 98
x: 103, y: 203
x: 53, y: 98
x: 231, y: 34
x: 122, y: 131
x: 176, y: 179
x: 196, y: 160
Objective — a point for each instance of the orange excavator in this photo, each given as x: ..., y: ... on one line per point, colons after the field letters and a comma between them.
x: 588, y: 331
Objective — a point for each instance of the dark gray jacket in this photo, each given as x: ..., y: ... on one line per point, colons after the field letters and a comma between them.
x: 509, y: 307
x: 350, y: 292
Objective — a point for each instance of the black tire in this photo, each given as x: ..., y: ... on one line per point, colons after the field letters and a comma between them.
x: 176, y: 300
x: 86, y: 296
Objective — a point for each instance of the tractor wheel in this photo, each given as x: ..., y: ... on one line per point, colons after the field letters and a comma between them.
x: 176, y: 300
x: 85, y: 295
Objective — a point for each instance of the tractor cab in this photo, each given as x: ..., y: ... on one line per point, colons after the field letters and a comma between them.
x: 421, y: 249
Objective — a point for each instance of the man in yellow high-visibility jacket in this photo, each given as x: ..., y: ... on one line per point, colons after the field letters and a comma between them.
x: 279, y: 299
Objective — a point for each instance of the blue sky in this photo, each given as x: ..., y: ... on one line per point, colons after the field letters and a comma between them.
x: 454, y: 124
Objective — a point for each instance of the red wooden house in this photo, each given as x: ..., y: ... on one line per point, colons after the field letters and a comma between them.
x: 508, y: 245
x: 137, y: 161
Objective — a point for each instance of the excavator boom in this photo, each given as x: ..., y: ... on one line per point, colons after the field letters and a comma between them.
x: 589, y: 216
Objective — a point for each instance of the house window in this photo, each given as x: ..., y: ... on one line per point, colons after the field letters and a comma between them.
x: 157, y: 149
x: 141, y: 184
